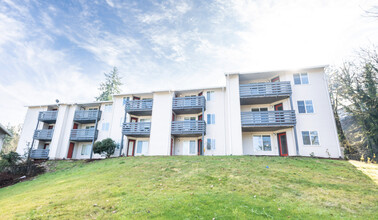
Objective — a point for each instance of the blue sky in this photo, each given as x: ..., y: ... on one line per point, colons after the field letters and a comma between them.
x: 60, y: 49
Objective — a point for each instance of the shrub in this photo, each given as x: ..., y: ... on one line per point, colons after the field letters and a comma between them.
x: 9, y: 160
x: 105, y: 147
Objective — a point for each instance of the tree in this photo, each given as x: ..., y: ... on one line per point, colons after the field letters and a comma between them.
x: 105, y: 147
x: 11, y: 142
x: 111, y: 85
x: 355, y: 85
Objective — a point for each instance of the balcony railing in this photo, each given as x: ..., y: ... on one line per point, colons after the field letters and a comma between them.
x: 268, y: 119
x: 259, y: 93
x: 39, y: 154
x: 83, y: 134
x: 139, y: 107
x: 87, y: 116
x: 188, y: 128
x: 189, y: 105
x: 44, y: 134
x: 48, y: 116
x: 137, y: 129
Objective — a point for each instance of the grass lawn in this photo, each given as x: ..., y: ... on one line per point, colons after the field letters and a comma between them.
x: 195, y: 188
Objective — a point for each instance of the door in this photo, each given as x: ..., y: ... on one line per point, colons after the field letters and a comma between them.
x: 279, y: 115
x: 46, y: 146
x: 282, y: 143
x: 70, y: 150
x: 200, y: 118
x: 130, y: 148
x: 142, y: 148
x: 134, y: 119
x: 50, y: 127
x: 275, y: 79
x: 136, y: 98
x: 75, y: 126
x: 200, y: 147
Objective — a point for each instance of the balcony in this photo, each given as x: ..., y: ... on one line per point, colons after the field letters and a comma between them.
x: 268, y: 120
x: 139, y: 107
x: 87, y: 116
x: 40, y: 154
x: 188, y: 128
x: 48, y: 116
x: 189, y: 105
x: 136, y: 129
x: 263, y: 93
x: 83, y: 135
x: 43, y: 135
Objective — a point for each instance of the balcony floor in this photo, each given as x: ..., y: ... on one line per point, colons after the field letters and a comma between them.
x: 261, y: 99
x: 85, y: 121
x: 265, y: 127
x: 48, y: 121
x: 187, y: 111
x: 140, y: 112
x: 137, y: 135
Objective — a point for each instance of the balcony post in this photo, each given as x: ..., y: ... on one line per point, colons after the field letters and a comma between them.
x: 295, y: 128
x: 94, y: 135
x: 123, y: 136
x: 203, y: 132
x: 36, y: 127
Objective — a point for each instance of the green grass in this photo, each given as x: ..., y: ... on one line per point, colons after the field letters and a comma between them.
x: 195, y: 188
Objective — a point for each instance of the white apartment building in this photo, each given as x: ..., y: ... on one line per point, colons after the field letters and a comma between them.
x: 276, y: 113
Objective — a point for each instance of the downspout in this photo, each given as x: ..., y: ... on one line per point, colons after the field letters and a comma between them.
x: 295, y: 128
x: 203, y: 132
x: 95, y: 131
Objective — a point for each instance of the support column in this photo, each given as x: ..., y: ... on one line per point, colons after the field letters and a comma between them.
x: 123, y: 136
x: 295, y: 128
x: 94, y: 136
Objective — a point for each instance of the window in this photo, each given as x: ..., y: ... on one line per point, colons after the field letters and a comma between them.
x: 92, y: 108
x: 210, y: 119
x: 305, y: 106
x: 300, y: 78
x: 142, y: 147
x: 105, y: 126
x: 310, y: 138
x: 192, y: 147
x: 210, y: 144
x: 210, y: 95
x: 89, y: 127
x: 262, y: 143
x: 86, y: 149
x: 108, y: 107
x: 259, y: 109
x: 125, y: 99
x: 144, y: 120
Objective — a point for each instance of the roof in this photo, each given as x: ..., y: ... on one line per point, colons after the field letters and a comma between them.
x: 283, y: 70
x: 171, y: 90
x: 5, y: 130
x: 73, y: 103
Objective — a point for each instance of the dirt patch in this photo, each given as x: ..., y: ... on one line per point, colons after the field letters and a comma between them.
x: 19, y: 173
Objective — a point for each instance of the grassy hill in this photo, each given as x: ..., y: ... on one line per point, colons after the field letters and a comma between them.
x: 195, y: 187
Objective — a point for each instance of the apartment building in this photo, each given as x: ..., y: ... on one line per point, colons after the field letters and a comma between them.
x: 277, y: 113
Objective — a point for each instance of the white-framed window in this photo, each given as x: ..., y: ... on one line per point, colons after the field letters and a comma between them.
x: 144, y: 120
x: 192, y: 147
x: 86, y: 149
x: 300, y: 78
x: 259, y: 109
x: 210, y: 144
x: 93, y: 108
x: 262, y: 143
x: 124, y: 100
x: 108, y: 107
x: 305, y: 106
x: 89, y: 127
x: 105, y: 126
x: 310, y: 138
x: 210, y: 119
x: 142, y: 148
x: 210, y: 95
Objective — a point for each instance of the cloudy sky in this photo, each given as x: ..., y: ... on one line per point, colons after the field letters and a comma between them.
x: 60, y: 49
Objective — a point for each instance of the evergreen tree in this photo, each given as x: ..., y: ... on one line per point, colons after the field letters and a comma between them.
x: 356, y: 84
x: 111, y: 85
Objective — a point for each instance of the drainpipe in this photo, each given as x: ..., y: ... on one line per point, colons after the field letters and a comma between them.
x: 36, y: 127
x: 203, y: 132
x: 124, y: 121
x: 95, y: 130
x: 229, y: 111
x: 295, y: 128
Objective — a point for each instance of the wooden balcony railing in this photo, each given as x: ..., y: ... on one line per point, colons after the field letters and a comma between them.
x: 136, y: 128
x: 189, y: 104
x: 139, y: 107
x: 39, y: 154
x: 87, y: 116
x: 43, y: 134
x: 268, y: 118
x: 83, y: 134
x: 48, y: 116
x: 265, y: 89
x: 185, y: 128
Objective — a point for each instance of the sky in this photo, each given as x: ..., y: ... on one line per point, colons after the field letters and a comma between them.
x: 61, y: 49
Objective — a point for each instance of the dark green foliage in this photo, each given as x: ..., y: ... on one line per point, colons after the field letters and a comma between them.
x: 110, y: 86
x: 106, y: 147
x: 354, y: 88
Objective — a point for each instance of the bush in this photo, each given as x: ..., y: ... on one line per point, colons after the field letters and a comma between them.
x: 105, y: 147
x: 9, y: 160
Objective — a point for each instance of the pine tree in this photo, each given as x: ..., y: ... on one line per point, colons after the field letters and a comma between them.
x: 111, y: 85
x: 357, y: 88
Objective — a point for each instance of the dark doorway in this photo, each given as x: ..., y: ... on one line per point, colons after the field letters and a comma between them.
x: 282, y: 143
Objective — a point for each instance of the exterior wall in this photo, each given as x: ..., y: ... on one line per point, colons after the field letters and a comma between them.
x: 234, y: 118
x: 2, y: 136
x: 160, y: 137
